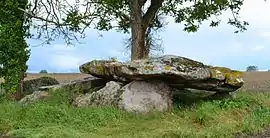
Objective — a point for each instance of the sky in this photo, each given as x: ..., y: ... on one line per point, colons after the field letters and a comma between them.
x: 218, y: 46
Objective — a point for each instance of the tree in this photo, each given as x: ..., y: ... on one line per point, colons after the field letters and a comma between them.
x: 13, y: 47
x: 43, y: 71
x: 63, y: 18
x: 252, y: 68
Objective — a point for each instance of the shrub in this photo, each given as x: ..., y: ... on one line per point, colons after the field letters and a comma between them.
x: 43, y: 71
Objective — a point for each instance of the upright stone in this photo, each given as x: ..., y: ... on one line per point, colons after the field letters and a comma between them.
x: 137, y: 96
x: 146, y: 96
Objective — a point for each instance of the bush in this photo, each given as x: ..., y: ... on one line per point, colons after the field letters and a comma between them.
x: 43, y: 71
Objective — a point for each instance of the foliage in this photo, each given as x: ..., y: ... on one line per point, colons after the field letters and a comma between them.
x: 43, y: 71
x: 68, y: 18
x: 56, y: 118
x: 13, y: 47
x: 252, y: 68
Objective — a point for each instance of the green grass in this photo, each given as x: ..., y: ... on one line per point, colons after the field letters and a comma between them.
x: 55, y: 118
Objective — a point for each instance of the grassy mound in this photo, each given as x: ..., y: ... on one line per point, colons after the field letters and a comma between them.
x: 55, y: 118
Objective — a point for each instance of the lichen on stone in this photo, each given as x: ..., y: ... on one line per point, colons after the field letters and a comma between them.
x: 166, y: 67
x: 187, y: 62
x: 173, y: 69
x: 231, y: 77
x: 149, y: 67
x: 100, y: 69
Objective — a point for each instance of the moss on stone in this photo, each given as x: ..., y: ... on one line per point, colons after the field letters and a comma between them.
x: 232, y: 77
x: 99, y: 69
x: 149, y: 67
x: 167, y: 67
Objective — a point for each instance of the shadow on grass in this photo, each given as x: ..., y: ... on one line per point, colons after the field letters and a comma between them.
x: 190, y: 97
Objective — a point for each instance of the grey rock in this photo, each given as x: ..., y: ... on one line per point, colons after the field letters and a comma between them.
x: 146, y: 96
x: 35, y: 96
x: 137, y: 96
x: 107, y: 96
x: 178, y: 72
x: 82, y: 86
x: 30, y: 86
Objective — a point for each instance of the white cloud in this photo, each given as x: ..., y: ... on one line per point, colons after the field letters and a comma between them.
x: 255, y: 11
x: 64, y: 61
x: 265, y: 34
x: 258, y: 48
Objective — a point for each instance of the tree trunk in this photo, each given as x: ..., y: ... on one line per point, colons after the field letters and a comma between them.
x: 19, y: 91
x: 138, y: 49
x: 139, y: 23
x: 138, y: 30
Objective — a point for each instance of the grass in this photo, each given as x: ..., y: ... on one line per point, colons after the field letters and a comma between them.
x: 55, y: 118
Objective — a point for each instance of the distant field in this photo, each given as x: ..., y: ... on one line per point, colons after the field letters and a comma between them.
x: 61, y: 77
x: 255, y: 81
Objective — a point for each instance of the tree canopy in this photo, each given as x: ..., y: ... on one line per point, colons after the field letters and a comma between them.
x: 68, y: 18
x: 252, y: 68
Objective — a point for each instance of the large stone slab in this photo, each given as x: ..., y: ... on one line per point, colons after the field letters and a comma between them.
x: 82, y: 86
x: 75, y: 87
x: 146, y: 96
x: 137, y: 96
x: 177, y: 71
x: 32, y: 85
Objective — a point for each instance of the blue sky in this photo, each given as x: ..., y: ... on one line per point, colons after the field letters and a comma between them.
x: 215, y: 46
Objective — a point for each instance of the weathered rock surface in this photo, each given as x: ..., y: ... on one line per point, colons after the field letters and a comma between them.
x: 143, y: 96
x: 81, y: 86
x: 76, y: 87
x: 137, y: 96
x: 30, y: 86
x: 107, y: 96
x: 178, y: 72
x: 35, y: 96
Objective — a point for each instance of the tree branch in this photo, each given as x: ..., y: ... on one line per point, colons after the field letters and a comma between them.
x: 152, y: 11
x: 42, y: 19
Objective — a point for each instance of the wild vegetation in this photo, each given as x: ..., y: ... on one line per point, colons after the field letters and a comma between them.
x: 247, y: 114
x: 14, y: 51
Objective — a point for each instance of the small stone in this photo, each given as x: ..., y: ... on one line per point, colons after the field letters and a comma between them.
x: 35, y: 96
